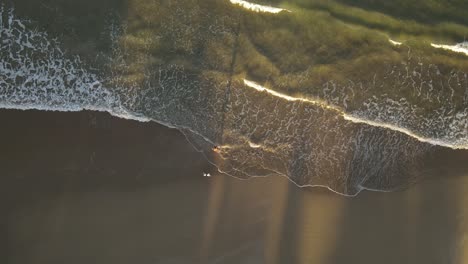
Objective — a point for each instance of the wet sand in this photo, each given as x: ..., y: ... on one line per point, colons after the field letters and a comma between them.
x: 89, y: 188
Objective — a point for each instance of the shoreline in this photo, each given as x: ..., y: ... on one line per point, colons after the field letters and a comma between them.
x: 78, y: 185
x: 454, y: 157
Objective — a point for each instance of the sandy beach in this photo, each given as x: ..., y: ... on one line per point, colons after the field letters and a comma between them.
x: 86, y: 187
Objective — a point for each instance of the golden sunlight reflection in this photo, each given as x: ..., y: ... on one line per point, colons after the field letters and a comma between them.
x: 257, y: 7
x: 414, y: 200
x: 394, y: 42
x: 351, y: 117
x: 459, y: 48
x: 463, y: 220
x: 275, y: 223
x: 213, y: 207
x: 318, y: 222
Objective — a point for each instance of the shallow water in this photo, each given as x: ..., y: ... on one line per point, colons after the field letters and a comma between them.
x: 316, y: 122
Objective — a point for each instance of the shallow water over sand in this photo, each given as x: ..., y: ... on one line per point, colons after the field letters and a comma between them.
x: 346, y: 109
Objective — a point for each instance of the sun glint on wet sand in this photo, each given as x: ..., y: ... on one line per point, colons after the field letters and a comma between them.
x: 76, y: 186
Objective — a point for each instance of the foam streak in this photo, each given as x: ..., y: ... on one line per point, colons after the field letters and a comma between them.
x: 351, y: 118
x: 459, y: 48
x: 257, y: 7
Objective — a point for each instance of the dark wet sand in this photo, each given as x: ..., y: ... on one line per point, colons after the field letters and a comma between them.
x: 89, y: 188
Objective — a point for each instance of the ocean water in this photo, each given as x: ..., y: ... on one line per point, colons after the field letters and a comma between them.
x: 202, y: 68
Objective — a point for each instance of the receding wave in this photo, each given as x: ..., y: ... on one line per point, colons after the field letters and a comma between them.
x: 243, y: 131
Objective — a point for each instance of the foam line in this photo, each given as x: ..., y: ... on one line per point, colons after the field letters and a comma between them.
x: 351, y: 118
x: 459, y: 48
x: 257, y: 7
x: 395, y: 43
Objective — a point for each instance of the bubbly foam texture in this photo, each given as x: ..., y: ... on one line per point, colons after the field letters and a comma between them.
x: 459, y: 120
x: 313, y: 145
x: 435, y: 109
x: 36, y: 73
x: 258, y: 131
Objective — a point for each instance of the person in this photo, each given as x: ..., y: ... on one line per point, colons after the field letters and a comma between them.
x: 216, y: 149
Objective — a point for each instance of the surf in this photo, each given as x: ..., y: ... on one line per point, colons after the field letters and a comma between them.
x: 266, y: 131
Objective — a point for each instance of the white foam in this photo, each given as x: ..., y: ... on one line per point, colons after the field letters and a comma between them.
x: 395, y: 43
x: 354, y: 119
x: 253, y: 145
x: 460, y: 47
x: 88, y: 92
x: 257, y: 7
x: 44, y: 87
x: 260, y: 88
